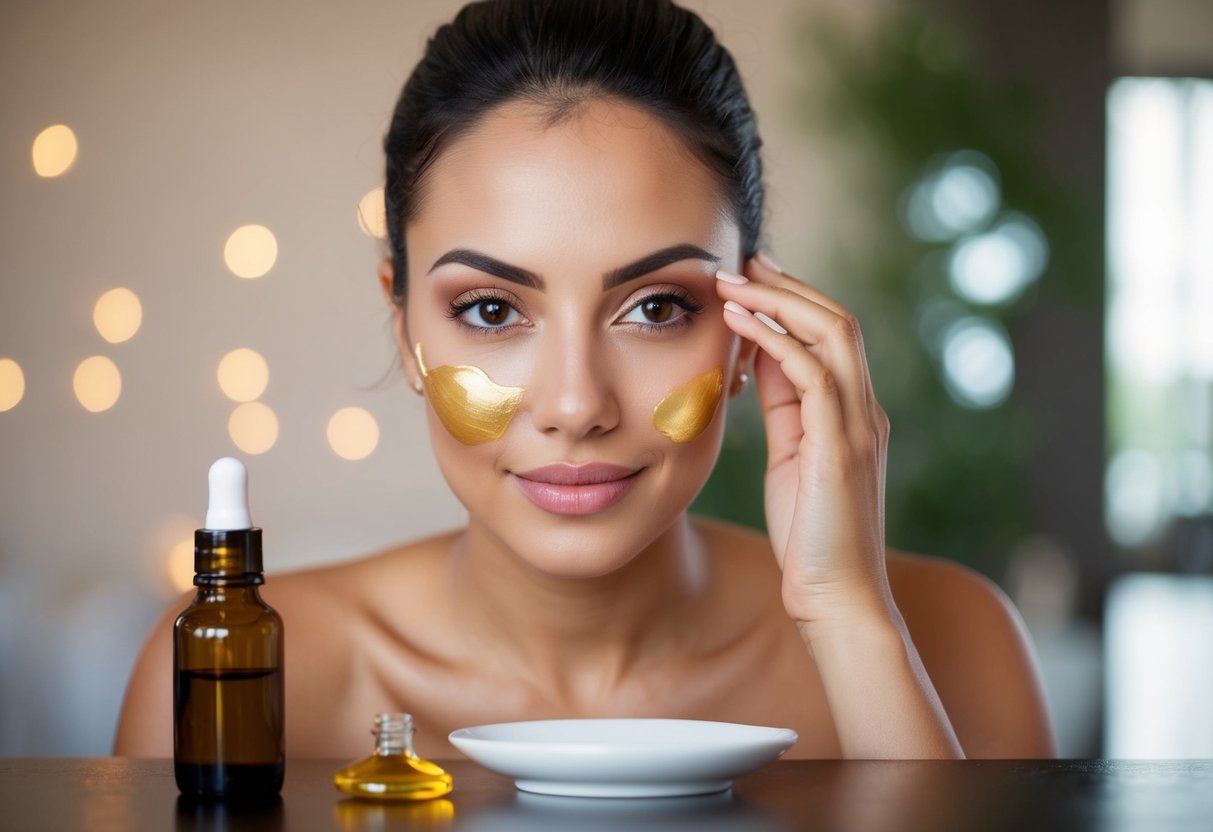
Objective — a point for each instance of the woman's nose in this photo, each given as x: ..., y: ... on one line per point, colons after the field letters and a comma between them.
x: 571, y: 393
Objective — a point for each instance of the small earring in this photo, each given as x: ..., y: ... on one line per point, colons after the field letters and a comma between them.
x: 418, y: 388
x: 741, y: 382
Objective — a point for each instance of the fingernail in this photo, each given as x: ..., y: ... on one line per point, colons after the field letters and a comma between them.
x: 771, y: 323
x: 736, y: 308
x: 729, y: 277
x: 768, y: 262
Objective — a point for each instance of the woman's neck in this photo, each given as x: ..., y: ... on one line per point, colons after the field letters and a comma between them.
x: 579, y: 637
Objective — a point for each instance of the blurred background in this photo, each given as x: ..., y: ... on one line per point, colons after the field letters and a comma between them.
x: 1015, y: 198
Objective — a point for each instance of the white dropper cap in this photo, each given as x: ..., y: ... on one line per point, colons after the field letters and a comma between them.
x: 228, y: 506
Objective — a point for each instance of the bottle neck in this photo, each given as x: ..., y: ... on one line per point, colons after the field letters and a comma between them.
x: 202, y: 580
x: 225, y: 591
x: 228, y: 555
x: 393, y: 735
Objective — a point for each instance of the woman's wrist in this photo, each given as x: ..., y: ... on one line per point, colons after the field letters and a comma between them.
x: 860, y: 604
x: 873, y: 624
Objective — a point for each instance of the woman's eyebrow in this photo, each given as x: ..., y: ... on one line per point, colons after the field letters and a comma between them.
x: 649, y: 263
x: 653, y: 262
x: 491, y: 265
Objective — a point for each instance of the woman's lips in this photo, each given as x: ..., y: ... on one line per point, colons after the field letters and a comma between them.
x: 576, y: 489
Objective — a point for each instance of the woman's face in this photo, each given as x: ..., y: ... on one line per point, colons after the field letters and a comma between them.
x: 573, y: 267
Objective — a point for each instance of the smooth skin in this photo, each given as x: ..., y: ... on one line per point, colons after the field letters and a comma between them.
x: 637, y: 610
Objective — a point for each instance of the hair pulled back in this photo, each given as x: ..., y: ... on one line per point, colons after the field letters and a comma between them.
x: 650, y: 54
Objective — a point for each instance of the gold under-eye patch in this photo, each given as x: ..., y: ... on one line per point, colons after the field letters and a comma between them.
x: 469, y: 404
x: 688, y: 409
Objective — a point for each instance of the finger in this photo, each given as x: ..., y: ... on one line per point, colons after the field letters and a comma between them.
x: 760, y: 272
x: 762, y: 269
x: 780, y: 404
x: 832, y: 339
x: 821, y: 414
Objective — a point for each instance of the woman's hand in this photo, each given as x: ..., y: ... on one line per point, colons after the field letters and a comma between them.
x: 827, y: 439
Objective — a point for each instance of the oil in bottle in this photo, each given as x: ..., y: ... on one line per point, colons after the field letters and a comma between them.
x: 228, y: 715
x: 394, y: 771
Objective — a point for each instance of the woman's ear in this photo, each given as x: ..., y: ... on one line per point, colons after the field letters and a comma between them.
x: 386, y: 276
x: 399, y: 325
x: 742, y: 366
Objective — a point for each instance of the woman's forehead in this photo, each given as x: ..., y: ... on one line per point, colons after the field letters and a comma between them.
x: 608, y: 176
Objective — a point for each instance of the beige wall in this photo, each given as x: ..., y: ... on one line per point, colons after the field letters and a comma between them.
x: 193, y: 119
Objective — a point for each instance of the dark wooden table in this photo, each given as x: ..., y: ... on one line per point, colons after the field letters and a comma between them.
x: 97, y: 794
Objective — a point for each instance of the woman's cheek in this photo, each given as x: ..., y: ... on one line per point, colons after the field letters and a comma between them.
x: 471, y: 406
x: 688, y: 409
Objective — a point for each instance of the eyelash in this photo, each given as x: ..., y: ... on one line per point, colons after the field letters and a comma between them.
x: 679, y: 297
x: 470, y: 300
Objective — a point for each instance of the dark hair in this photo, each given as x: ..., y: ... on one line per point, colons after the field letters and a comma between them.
x: 561, y: 53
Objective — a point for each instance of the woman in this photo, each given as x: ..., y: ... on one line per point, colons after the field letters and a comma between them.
x: 574, y: 199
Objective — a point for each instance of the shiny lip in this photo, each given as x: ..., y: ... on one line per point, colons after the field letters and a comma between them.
x: 577, y: 490
x: 590, y: 473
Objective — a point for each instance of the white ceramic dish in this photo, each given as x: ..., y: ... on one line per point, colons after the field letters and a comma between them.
x: 623, y: 757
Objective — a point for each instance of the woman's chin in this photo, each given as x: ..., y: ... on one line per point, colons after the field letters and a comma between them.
x: 574, y: 560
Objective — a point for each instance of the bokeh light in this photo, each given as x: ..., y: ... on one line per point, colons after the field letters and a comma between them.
x: 243, y: 375
x: 250, y: 251
x: 180, y: 565
x: 1193, y: 483
x: 997, y: 266
x: 979, y: 367
x: 12, y: 384
x: 97, y: 383
x: 54, y: 150
x: 253, y: 426
x: 371, y: 214
x: 958, y: 194
x: 353, y: 433
x: 934, y: 315
x: 118, y: 315
x: 1134, y: 497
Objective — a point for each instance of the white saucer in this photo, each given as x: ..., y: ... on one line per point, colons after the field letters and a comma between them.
x: 623, y: 757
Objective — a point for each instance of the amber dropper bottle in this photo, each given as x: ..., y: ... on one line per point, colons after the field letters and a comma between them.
x: 394, y: 771
x: 227, y: 658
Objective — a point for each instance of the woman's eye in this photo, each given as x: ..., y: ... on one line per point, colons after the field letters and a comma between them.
x: 489, y: 313
x: 658, y: 310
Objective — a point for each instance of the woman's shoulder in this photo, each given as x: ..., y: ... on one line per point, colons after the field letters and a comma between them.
x: 356, y: 575
x: 343, y: 589
x: 952, y: 610
x: 977, y: 651
x: 924, y: 585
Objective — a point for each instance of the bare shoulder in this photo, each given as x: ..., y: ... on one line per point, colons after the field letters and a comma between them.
x: 309, y: 597
x: 978, y: 654
x: 325, y: 609
x: 945, y: 602
x: 942, y: 587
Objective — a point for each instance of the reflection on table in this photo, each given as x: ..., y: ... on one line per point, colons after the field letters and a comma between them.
x: 106, y: 793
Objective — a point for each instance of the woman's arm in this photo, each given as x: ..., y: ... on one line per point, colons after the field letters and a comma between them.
x: 827, y: 440
x: 883, y: 703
